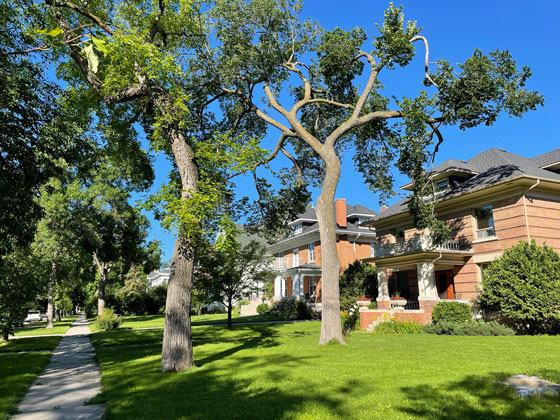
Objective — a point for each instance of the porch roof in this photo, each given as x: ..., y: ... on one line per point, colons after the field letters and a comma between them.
x: 312, y: 269
x: 441, y: 257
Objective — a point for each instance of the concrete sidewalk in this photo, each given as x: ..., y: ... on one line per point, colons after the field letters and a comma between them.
x: 70, y: 379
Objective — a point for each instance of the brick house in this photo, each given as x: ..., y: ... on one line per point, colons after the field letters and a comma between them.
x: 489, y: 202
x: 297, y: 257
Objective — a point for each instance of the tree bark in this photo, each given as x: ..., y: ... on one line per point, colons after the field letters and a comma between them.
x: 101, y: 290
x: 57, y: 314
x: 331, y: 328
x: 177, y: 351
x: 229, y: 310
x: 50, y: 297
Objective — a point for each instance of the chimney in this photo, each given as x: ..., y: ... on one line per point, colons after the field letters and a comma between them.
x: 383, y: 208
x: 340, y: 209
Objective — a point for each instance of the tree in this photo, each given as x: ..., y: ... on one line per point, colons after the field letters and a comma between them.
x: 228, y: 271
x: 37, y: 130
x: 18, y: 289
x: 359, y: 279
x: 263, y: 44
x: 523, y: 286
x: 139, y: 76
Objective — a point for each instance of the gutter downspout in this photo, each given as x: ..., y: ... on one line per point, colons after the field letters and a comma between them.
x: 525, y: 209
x: 356, y: 240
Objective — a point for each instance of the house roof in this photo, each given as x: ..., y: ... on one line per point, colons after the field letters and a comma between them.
x: 547, y: 159
x: 490, y: 167
x: 310, y: 216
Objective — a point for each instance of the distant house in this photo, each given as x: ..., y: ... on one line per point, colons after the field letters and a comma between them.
x: 159, y: 278
x: 297, y: 259
x: 489, y: 202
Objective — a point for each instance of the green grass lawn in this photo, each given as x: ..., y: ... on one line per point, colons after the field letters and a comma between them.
x: 38, y: 328
x: 279, y: 372
x: 18, y: 371
x: 157, y: 321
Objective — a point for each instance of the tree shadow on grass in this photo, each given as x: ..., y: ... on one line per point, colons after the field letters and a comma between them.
x: 480, y: 397
x: 221, y: 386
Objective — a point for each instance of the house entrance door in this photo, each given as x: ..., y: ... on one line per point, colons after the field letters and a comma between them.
x: 444, y: 284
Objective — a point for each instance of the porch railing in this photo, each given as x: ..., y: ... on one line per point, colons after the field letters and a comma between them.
x: 289, y: 262
x: 415, y: 244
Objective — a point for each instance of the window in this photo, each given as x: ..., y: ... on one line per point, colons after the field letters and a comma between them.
x: 442, y: 185
x: 372, y: 249
x: 311, y: 250
x: 295, y: 257
x: 399, y: 234
x: 484, y: 222
x: 298, y: 229
x: 280, y: 260
x: 363, y: 220
x: 313, y: 286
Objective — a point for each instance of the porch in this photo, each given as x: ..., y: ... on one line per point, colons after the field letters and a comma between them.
x: 300, y: 281
x: 418, y: 272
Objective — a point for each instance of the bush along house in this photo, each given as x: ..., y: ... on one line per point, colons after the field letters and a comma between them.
x: 297, y: 259
x: 489, y: 202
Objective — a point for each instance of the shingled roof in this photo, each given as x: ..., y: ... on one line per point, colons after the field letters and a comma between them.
x: 491, y: 167
x: 547, y: 159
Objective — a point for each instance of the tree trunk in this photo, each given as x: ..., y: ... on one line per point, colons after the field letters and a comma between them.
x: 331, y: 328
x: 229, y: 310
x: 57, y: 314
x: 177, y: 351
x: 199, y: 312
x: 101, y: 290
x: 50, y: 297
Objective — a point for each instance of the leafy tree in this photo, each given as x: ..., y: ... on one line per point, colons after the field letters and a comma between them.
x: 131, y: 69
x: 37, y: 130
x: 18, y: 289
x: 263, y: 45
x: 359, y: 279
x: 523, y: 286
x: 229, y: 271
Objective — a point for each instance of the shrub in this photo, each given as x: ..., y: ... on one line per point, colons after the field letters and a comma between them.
x: 523, y: 287
x: 399, y: 327
x: 350, y: 319
x: 359, y: 279
x: 468, y: 328
x: 108, y: 320
x: 372, y: 305
x: 286, y: 307
x: 303, y: 310
x: 454, y: 312
x: 263, y: 309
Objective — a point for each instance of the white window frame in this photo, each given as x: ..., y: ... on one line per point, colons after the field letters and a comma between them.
x: 298, y: 228
x: 311, y: 252
x: 312, y: 285
x: 295, y: 257
x: 362, y: 220
x: 280, y: 260
x: 372, y: 249
x: 485, y: 233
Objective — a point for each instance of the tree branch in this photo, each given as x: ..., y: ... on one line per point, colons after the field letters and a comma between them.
x: 84, y: 12
x: 426, y: 62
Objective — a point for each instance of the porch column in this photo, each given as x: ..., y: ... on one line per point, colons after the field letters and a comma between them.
x: 296, y: 285
x: 278, y: 292
x: 383, y: 300
x: 427, y: 291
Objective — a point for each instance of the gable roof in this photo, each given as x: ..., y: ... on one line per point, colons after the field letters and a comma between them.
x: 490, y: 167
x: 547, y: 159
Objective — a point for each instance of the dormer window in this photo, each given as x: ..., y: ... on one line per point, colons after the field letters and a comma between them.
x: 442, y: 185
x: 363, y: 220
x: 298, y: 229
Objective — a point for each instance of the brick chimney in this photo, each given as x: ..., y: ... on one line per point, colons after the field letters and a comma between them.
x: 340, y: 209
x: 383, y: 208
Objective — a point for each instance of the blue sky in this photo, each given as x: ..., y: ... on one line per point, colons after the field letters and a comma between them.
x: 454, y: 29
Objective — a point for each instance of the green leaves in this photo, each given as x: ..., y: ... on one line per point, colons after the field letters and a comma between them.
x: 392, y: 45
x: 91, y: 57
x: 53, y: 32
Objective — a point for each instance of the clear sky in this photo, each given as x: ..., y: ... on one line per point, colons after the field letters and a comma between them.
x: 454, y: 29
